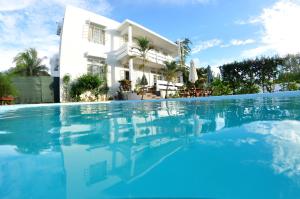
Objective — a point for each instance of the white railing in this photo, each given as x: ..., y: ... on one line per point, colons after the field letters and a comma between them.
x: 122, y: 51
x: 162, y: 85
x: 152, y: 55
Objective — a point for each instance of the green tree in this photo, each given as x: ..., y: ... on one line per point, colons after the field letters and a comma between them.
x: 184, y: 52
x: 267, y: 71
x: 144, y: 47
x: 202, y: 77
x: 29, y: 64
x: 231, y: 75
x: 6, y: 86
x: 220, y: 88
x: 170, y: 72
x: 290, y: 72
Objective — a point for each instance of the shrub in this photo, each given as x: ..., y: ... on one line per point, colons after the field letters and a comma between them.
x: 220, y: 88
x: 83, y: 84
x: 144, y: 81
x: 66, y: 79
x: 249, y: 89
x: 292, y: 86
x: 6, y: 86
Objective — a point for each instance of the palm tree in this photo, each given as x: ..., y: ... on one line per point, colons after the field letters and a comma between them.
x: 28, y: 63
x: 170, y: 73
x: 184, y: 52
x: 143, y: 47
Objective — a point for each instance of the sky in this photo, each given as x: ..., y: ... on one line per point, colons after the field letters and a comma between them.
x: 221, y: 31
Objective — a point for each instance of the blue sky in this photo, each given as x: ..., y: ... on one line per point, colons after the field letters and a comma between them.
x: 221, y: 31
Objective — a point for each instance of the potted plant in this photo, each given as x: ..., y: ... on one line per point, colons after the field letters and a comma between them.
x: 125, y: 85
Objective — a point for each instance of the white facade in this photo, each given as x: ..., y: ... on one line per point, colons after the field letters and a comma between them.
x: 89, y: 40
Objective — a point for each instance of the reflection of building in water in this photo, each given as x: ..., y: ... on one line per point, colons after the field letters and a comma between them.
x: 220, y: 121
x: 104, y: 153
x: 110, y: 145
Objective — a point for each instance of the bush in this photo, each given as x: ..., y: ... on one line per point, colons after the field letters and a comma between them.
x: 249, y: 89
x: 6, y: 86
x: 220, y: 88
x: 83, y: 84
x: 292, y: 86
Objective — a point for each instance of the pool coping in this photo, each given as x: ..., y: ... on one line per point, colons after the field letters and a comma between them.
x: 4, y: 109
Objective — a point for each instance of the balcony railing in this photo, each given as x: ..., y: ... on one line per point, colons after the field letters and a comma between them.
x: 152, y: 56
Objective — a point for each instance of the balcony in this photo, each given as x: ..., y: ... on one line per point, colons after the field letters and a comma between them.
x: 153, y: 56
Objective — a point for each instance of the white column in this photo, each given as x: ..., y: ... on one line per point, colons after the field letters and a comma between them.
x: 149, y: 78
x: 130, y: 35
x: 131, y: 73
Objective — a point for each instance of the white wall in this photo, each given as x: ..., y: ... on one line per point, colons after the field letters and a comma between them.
x: 75, y: 44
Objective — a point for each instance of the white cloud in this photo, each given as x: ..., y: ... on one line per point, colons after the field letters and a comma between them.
x: 237, y: 42
x: 284, y: 139
x: 10, y: 5
x: 170, y: 2
x: 186, y: 1
x: 281, y: 30
x: 35, y: 25
x: 204, y: 45
x: 252, y: 20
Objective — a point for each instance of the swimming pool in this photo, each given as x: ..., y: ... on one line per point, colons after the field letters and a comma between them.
x: 232, y: 147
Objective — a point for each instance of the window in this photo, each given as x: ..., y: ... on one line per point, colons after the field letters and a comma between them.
x: 124, y: 75
x: 96, y: 33
x: 127, y: 75
x: 96, y: 66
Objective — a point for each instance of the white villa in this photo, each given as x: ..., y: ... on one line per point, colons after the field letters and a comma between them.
x: 88, y: 41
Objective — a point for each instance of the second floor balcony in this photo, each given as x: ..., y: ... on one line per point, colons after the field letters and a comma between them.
x: 153, y: 56
x: 164, y: 49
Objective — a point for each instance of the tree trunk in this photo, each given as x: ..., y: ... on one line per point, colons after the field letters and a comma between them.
x: 143, y: 85
x: 166, y: 96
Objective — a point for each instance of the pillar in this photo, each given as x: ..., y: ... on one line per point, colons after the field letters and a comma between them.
x: 131, y: 73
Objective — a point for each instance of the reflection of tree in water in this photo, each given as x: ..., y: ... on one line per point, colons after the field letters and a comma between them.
x: 39, y: 129
x: 244, y: 111
x: 30, y: 132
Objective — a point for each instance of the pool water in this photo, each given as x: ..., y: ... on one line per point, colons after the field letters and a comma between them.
x: 230, y: 148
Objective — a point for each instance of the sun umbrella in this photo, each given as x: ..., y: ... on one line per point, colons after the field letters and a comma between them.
x: 193, y: 77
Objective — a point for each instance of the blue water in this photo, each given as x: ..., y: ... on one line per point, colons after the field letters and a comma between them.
x: 231, y: 149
